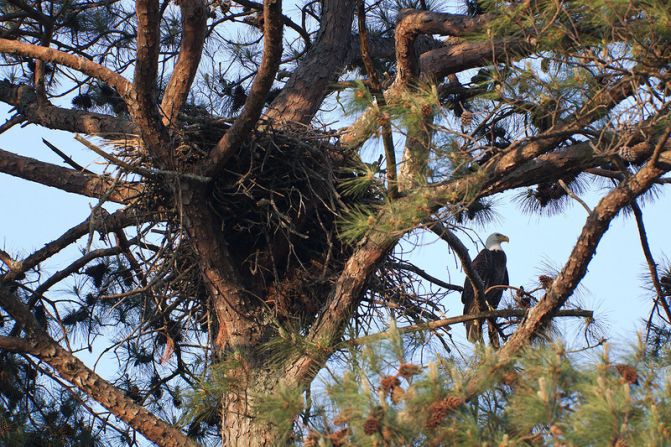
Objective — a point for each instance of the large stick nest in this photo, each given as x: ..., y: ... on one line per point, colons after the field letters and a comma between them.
x: 279, y: 202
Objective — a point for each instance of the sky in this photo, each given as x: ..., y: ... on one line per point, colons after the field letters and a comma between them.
x: 35, y: 214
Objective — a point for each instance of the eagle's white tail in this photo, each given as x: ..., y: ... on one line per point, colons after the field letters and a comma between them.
x: 473, y: 331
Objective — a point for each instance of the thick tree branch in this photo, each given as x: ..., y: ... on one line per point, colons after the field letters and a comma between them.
x: 194, y: 30
x: 287, y: 20
x: 455, y: 58
x: 236, y: 325
x: 412, y: 23
x: 70, y: 368
x: 594, y: 109
x: 15, y: 344
x: 575, y: 158
x: 148, y: 47
x: 88, y: 67
x: 328, y: 329
x: 303, y: 94
x: 144, y: 108
x: 595, y: 227
x: 69, y: 180
x: 272, y: 54
x: 140, y: 99
x: 24, y: 99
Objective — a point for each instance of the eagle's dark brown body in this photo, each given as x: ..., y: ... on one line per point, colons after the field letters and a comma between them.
x: 491, y: 267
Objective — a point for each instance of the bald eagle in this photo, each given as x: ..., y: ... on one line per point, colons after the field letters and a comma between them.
x: 490, y: 264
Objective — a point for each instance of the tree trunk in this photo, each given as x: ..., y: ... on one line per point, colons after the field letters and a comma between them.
x: 240, y: 425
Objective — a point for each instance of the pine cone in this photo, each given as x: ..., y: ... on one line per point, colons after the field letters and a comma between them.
x: 397, y: 394
x: 407, y: 370
x: 510, y: 378
x: 372, y: 425
x: 440, y: 409
x: 634, y: 154
x: 628, y: 374
x: 388, y: 383
x: 341, y: 418
x: 427, y: 110
x: 339, y: 438
x: 466, y: 118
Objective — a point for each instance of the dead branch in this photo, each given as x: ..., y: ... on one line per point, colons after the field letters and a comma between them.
x: 376, y: 88
x: 96, y: 222
x: 432, y: 279
x: 67, y: 159
x: 650, y: 260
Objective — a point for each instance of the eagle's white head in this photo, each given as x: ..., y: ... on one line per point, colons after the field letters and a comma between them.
x: 494, y: 241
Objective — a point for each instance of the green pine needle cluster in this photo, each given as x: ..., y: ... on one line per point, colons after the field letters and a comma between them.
x: 547, y: 397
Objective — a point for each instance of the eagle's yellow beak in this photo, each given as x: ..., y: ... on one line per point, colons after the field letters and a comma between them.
x: 505, y: 238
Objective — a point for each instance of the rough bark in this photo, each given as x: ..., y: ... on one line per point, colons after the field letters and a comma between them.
x: 24, y: 98
x: 237, y: 326
x: 69, y: 180
x: 88, y: 67
x: 143, y: 106
x: 301, y: 97
x: 194, y: 30
x: 455, y: 58
x: 272, y: 54
x: 412, y: 23
x: 241, y: 427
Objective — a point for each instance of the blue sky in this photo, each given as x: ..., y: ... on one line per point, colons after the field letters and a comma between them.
x: 35, y: 214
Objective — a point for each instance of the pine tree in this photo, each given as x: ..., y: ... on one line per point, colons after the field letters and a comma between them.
x: 237, y: 245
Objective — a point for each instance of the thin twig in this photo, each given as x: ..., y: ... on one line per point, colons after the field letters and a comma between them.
x: 414, y: 269
x: 574, y: 196
x: 431, y: 325
x: 376, y: 88
x: 136, y: 169
x: 66, y: 158
x: 652, y: 265
x: 11, y: 122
